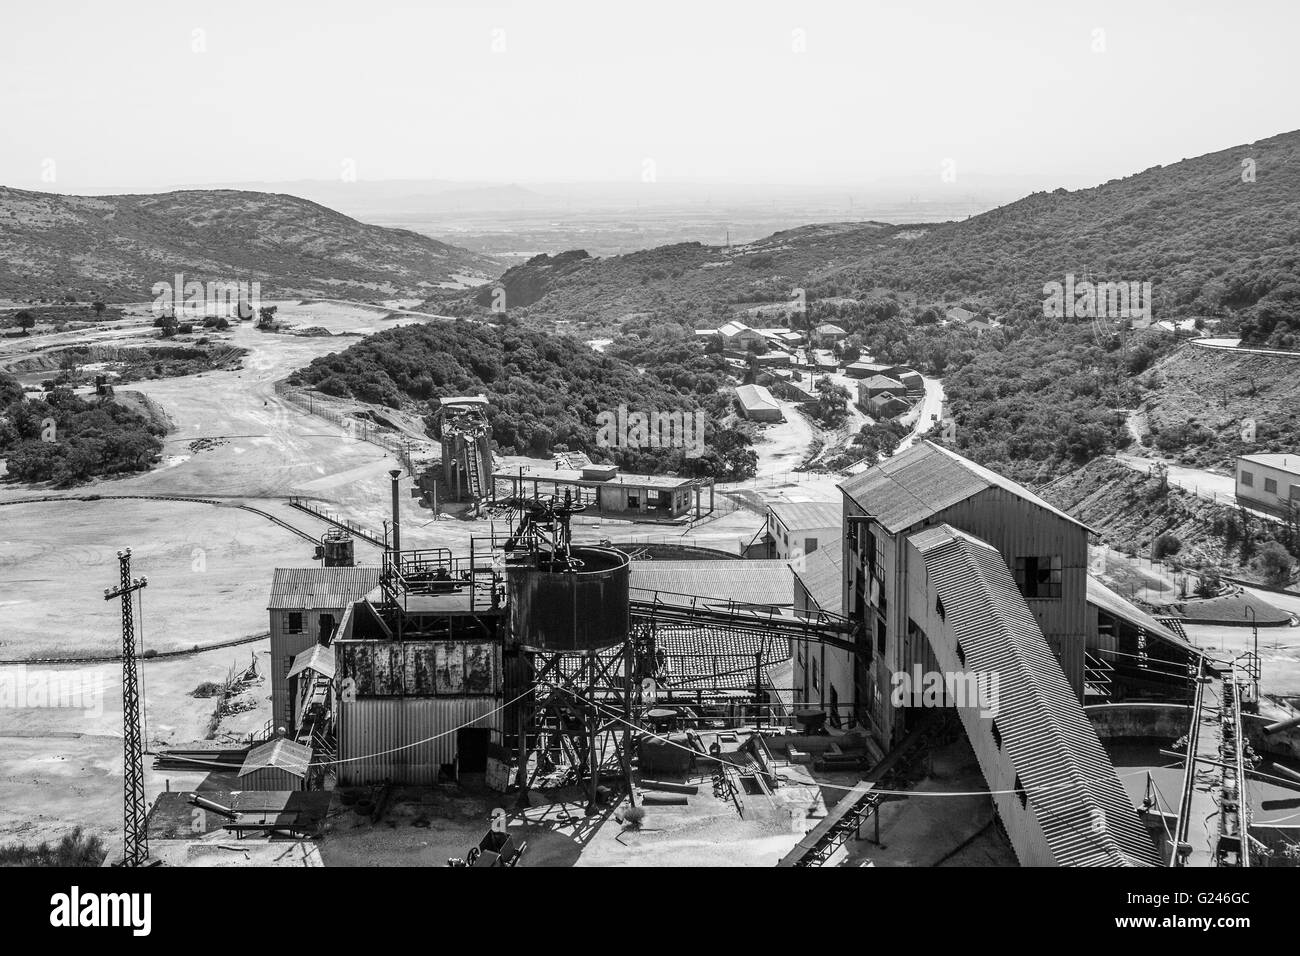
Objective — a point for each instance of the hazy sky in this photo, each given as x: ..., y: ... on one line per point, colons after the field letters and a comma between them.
x: 155, y: 93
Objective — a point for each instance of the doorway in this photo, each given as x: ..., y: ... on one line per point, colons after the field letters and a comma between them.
x: 472, y: 749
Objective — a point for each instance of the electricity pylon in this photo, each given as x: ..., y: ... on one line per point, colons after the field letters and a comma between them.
x: 135, y: 838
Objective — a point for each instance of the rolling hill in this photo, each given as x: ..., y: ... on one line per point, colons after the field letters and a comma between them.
x: 1215, y: 235
x: 115, y: 248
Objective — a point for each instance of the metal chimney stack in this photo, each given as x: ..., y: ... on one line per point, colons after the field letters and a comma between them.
x: 397, y: 521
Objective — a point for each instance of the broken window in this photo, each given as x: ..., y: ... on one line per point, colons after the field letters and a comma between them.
x: 295, y: 622
x: 1039, y: 577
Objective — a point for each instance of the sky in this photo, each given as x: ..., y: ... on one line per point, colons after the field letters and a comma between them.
x: 154, y: 94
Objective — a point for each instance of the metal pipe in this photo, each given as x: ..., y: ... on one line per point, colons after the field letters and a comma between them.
x: 1282, y: 725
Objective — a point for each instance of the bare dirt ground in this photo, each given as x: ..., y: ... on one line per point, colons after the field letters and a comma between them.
x: 208, y: 570
x: 209, y: 567
x: 61, y: 766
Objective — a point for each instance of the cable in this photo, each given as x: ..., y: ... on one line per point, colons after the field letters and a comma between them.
x: 144, y: 697
x: 382, y: 753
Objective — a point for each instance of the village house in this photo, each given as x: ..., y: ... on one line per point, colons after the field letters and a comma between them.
x: 825, y: 336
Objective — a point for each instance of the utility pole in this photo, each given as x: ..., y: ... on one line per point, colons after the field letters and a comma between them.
x: 135, y: 836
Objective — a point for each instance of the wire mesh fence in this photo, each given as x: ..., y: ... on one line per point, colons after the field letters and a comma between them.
x: 388, y: 439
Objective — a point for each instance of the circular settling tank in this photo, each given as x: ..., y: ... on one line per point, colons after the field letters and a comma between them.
x: 578, y: 608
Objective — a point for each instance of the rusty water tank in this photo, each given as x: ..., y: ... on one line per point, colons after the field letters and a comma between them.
x: 569, y: 609
x: 337, y: 546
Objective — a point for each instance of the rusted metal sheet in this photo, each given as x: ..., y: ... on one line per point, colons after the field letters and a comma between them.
x: 421, y: 668
x: 407, y: 740
x: 571, y: 610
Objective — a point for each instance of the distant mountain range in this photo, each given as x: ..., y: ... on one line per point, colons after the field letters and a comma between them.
x: 116, y: 247
x: 1217, y: 233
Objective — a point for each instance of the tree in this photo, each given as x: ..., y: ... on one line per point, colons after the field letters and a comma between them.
x: 25, y: 321
x: 1208, y: 584
x: 1274, y: 563
x: 168, y: 324
x: 99, y: 308
x: 1164, y: 546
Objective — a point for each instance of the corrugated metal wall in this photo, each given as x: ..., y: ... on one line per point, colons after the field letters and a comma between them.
x: 376, y: 725
x: 1019, y: 528
x: 284, y: 647
x: 271, y: 778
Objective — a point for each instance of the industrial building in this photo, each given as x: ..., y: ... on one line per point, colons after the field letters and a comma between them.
x: 306, y: 606
x: 605, y: 491
x: 461, y: 426
x: 1270, y: 483
x: 757, y: 404
x: 795, y: 529
x: 1056, y: 791
x: 536, y: 662
x: 1044, y: 549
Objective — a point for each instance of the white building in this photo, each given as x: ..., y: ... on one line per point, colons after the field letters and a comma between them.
x: 1269, y: 482
x: 799, y: 528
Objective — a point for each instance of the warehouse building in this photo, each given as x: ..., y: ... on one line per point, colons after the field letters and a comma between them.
x: 757, y: 404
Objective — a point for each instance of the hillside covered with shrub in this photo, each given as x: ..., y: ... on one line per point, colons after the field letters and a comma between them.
x: 66, y: 440
x: 546, y: 391
x: 1218, y: 238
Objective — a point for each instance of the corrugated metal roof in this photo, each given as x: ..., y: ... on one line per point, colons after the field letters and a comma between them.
x: 280, y: 753
x: 318, y: 658
x: 884, y: 381
x: 303, y: 588
x: 700, y: 658
x: 925, y: 480
x: 822, y: 576
x: 1175, y: 625
x: 806, y: 515
x: 766, y: 583
x: 1110, y: 602
x: 1070, y: 780
x: 717, y: 657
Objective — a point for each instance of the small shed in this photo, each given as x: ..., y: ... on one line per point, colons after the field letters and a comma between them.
x: 278, y: 764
